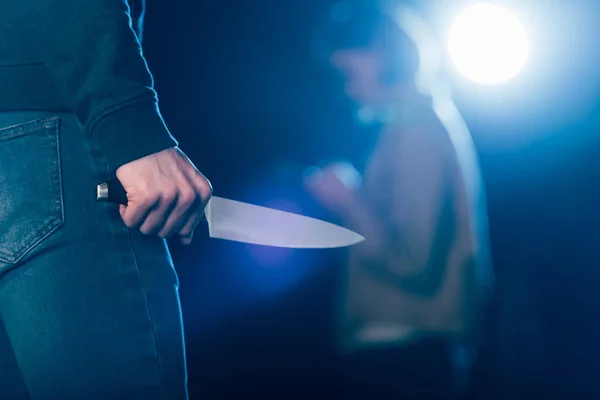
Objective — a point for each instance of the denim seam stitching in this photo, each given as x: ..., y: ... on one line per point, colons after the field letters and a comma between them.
x: 38, y: 237
x: 141, y: 281
x: 25, y: 128
x: 148, y: 310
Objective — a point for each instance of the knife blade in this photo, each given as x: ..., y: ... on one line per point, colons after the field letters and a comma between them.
x: 243, y: 222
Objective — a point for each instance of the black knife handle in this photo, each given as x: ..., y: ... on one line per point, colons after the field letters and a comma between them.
x: 111, y: 192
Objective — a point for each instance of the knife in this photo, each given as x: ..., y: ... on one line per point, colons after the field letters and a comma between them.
x: 242, y: 222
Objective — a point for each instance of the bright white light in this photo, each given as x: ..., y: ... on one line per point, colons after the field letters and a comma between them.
x: 488, y: 44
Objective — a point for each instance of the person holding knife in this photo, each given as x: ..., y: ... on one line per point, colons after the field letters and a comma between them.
x: 89, y: 305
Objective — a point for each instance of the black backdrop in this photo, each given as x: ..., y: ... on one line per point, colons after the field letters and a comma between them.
x: 240, y: 92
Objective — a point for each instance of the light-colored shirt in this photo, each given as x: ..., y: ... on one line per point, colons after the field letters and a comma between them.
x: 433, y: 277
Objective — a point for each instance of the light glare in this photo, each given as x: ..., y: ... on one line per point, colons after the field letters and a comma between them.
x: 488, y: 44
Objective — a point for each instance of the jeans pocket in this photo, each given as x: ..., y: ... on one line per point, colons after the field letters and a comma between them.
x: 31, y: 200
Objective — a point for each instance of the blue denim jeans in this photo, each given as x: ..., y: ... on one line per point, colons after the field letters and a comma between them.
x: 89, y: 309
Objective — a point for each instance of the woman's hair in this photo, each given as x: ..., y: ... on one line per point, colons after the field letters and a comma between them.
x: 416, y: 28
x: 403, y: 37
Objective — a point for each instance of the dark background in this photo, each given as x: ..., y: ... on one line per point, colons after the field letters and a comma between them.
x: 239, y: 90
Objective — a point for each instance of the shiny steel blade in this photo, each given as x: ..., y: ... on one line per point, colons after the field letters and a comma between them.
x: 243, y: 222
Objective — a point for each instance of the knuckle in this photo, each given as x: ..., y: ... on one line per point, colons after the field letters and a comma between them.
x: 205, y: 191
x: 169, y: 195
x: 187, y: 198
x: 202, y: 184
x: 169, y: 199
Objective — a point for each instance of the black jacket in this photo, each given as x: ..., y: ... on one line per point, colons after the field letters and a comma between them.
x: 83, y: 56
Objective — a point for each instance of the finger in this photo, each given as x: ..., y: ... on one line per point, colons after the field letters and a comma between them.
x: 136, y: 211
x: 157, y: 217
x: 204, y: 189
x: 192, y: 222
x: 200, y: 191
x: 155, y: 220
x: 186, y: 200
x: 203, y: 186
x: 186, y: 240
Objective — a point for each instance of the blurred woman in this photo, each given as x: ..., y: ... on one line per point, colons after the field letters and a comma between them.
x: 414, y: 292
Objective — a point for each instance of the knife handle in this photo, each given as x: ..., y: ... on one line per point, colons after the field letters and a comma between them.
x: 111, y: 192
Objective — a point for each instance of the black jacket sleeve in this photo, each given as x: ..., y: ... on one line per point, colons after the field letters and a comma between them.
x: 95, y: 59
